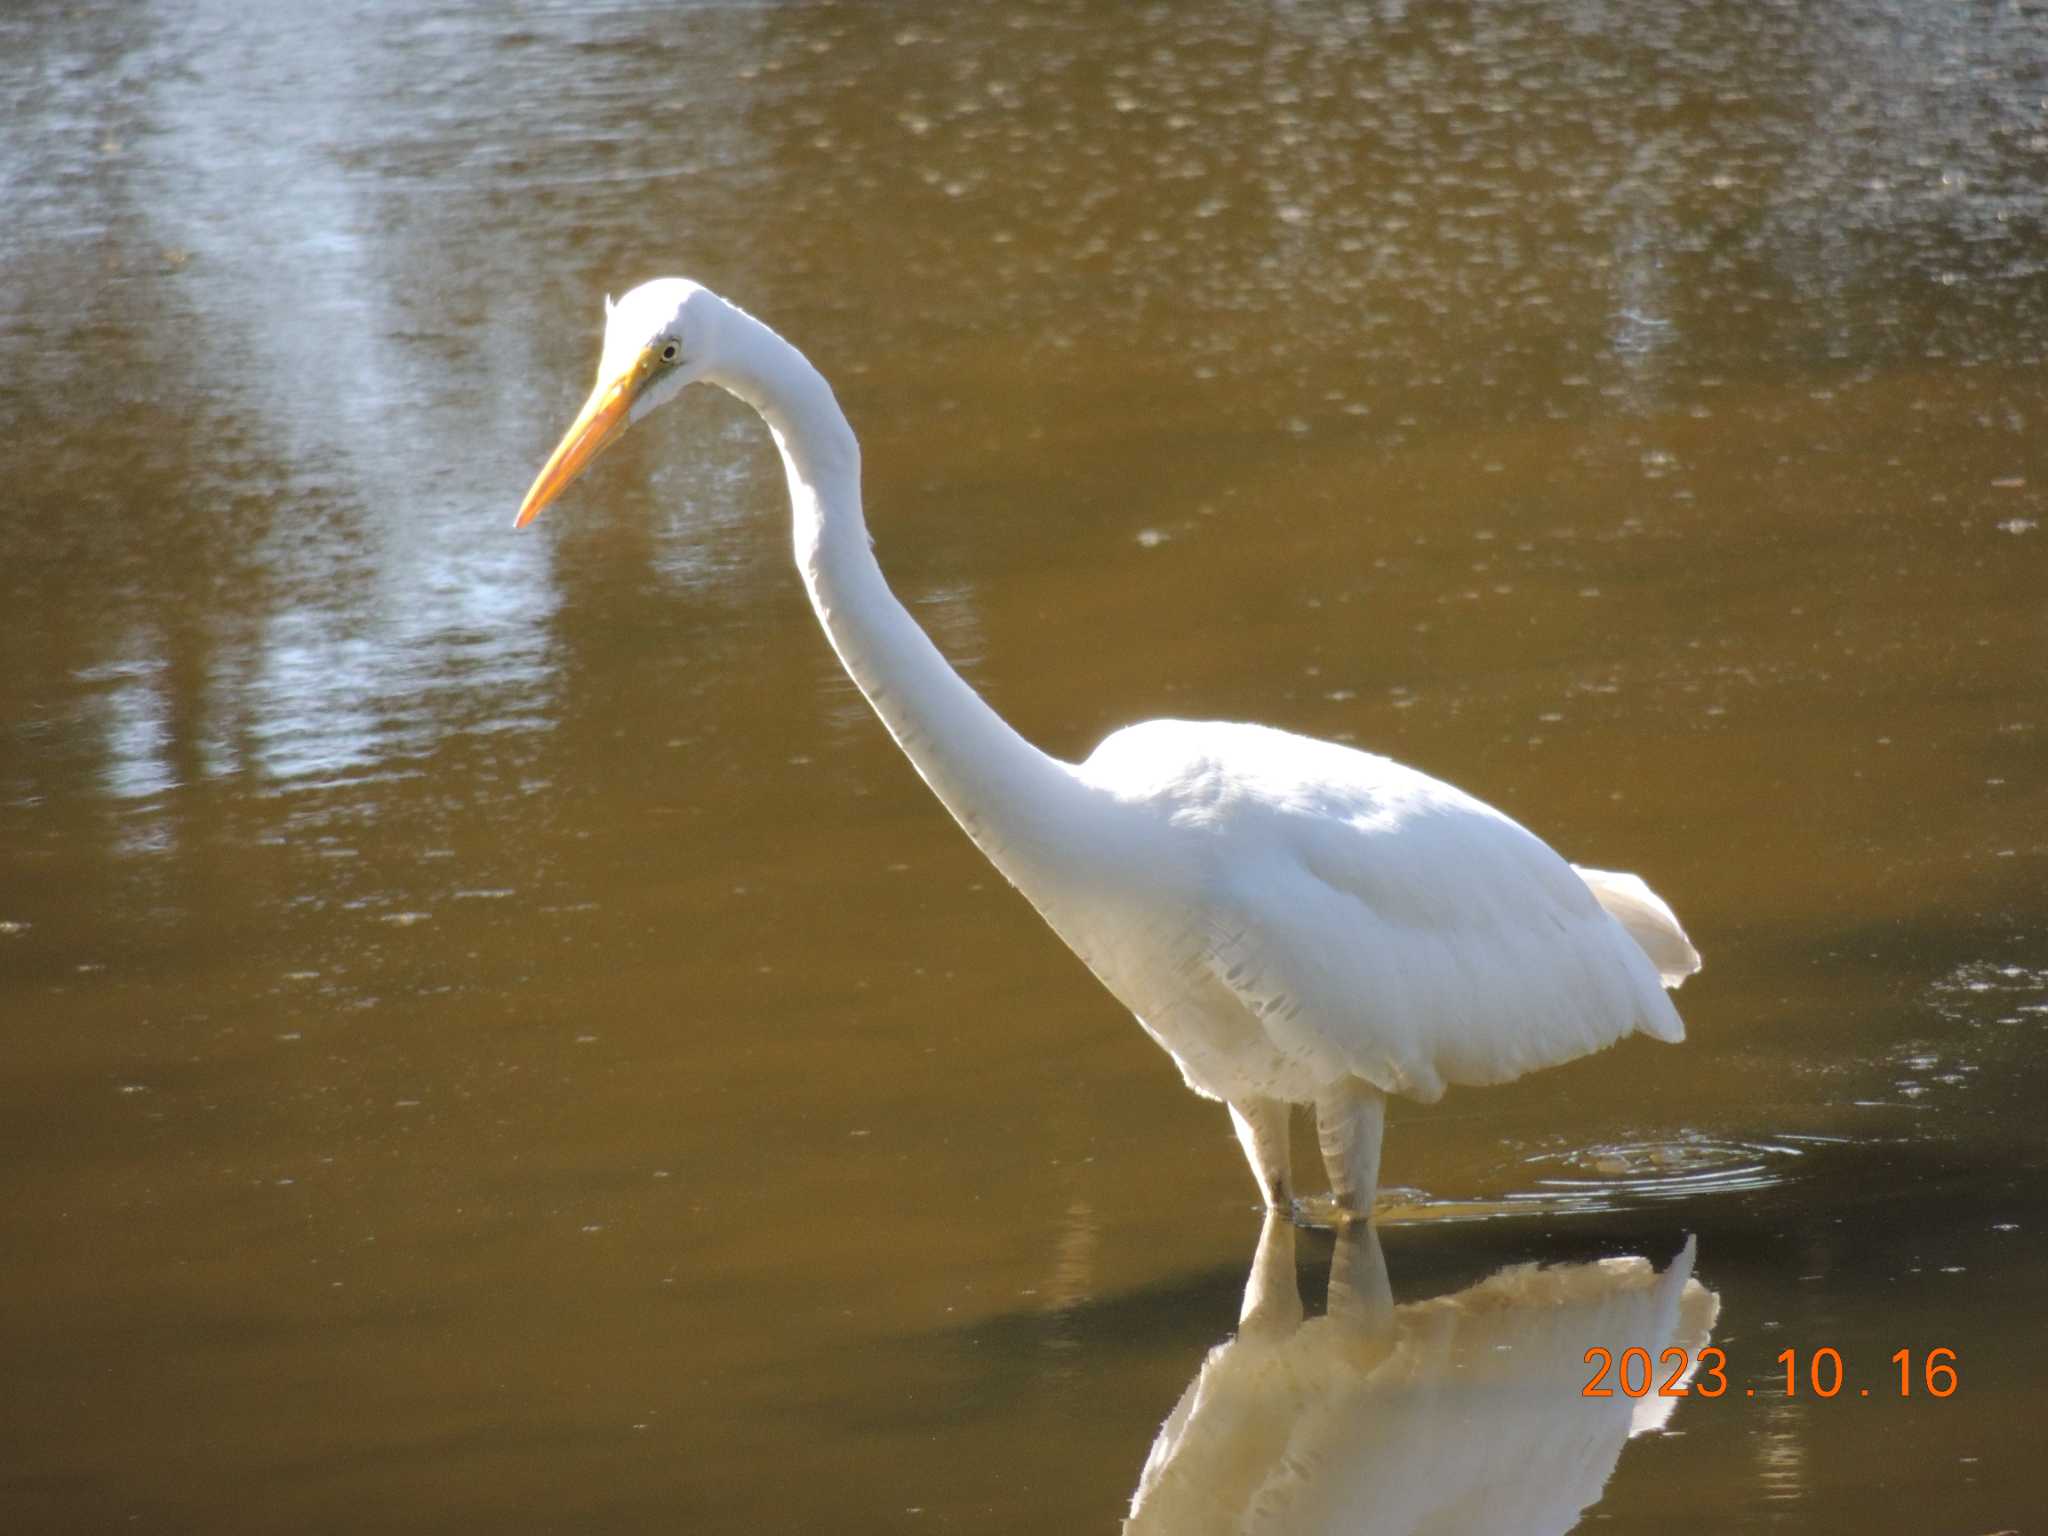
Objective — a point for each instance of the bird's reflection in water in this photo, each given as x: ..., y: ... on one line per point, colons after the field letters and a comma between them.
x: 1461, y: 1413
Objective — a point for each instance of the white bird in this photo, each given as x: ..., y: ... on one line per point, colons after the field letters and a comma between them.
x: 1460, y: 1413
x: 1294, y: 922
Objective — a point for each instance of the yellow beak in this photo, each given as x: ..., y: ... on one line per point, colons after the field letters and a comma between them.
x: 596, y: 427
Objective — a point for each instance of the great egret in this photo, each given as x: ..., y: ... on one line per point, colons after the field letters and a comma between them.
x: 1460, y: 1413
x: 1295, y: 922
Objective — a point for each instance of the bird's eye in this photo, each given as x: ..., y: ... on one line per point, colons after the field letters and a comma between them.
x: 671, y: 352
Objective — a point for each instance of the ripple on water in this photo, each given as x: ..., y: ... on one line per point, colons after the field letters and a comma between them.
x: 1615, y: 1175
x: 1992, y: 992
x: 1610, y: 1174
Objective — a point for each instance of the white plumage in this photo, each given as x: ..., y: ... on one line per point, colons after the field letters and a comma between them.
x: 1295, y: 922
x: 1461, y: 1413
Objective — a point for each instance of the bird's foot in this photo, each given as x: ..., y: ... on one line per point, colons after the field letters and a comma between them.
x: 1321, y: 1213
x: 1327, y: 1213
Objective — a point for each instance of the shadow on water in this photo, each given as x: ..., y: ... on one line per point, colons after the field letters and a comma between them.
x: 1334, y: 1406
x: 437, y: 965
x: 1956, y: 1191
x: 1456, y: 1382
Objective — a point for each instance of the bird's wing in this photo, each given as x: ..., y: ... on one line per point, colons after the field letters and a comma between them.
x: 1422, y: 939
x: 1648, y: 920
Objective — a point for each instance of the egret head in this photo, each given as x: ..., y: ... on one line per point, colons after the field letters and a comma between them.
x: 657, y: 338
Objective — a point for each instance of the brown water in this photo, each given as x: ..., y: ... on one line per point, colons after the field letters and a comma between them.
x: 496, y: 1038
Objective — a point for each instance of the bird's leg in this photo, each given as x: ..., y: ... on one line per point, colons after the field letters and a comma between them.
x: 1349, y: 1120
x: 1361, y: 1297
x: 1272, y: 1298
x: 1262, y: 1132
x: 1361, y: 1309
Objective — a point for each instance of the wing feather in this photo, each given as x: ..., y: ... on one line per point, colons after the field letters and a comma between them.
x: 1418, y: 938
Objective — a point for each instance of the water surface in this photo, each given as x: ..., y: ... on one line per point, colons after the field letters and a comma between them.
x: 496, y: 1034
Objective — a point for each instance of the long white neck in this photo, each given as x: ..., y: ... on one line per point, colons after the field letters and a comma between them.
x: 1010, y: 797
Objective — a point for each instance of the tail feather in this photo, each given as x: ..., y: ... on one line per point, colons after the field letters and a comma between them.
x: 1647, y: 920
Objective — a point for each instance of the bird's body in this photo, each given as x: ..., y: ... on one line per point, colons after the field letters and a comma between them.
x: 1462, y: 1412
x: 1317, y: 883
x: 1296, y: 922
